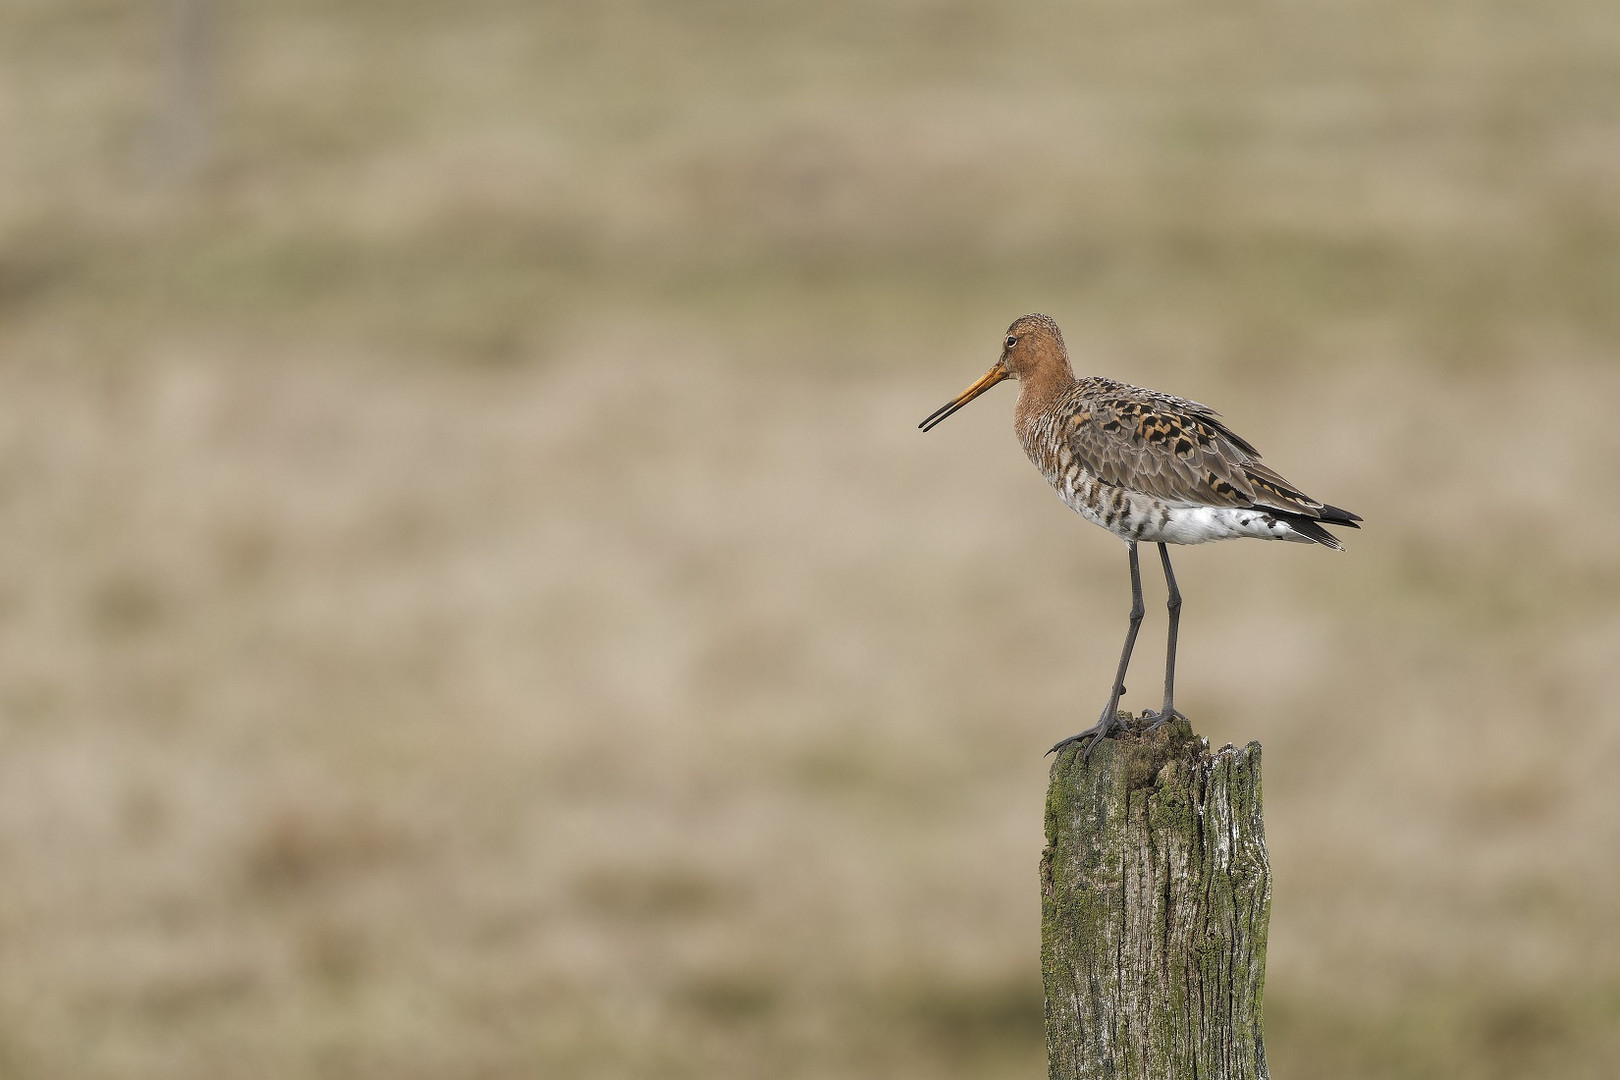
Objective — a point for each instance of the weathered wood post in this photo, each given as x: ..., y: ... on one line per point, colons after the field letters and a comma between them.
x: 1155, y: 899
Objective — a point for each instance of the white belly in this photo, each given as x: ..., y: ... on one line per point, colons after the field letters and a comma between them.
x: 1131, y: 516
x: 1198, y: 524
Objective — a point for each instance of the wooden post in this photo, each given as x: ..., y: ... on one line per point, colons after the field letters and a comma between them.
x: 1155, y: 899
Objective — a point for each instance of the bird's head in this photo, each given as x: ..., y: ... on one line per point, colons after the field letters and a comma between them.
x: 1032, y: 348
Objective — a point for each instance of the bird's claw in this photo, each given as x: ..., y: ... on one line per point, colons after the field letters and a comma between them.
x: 1070, y: 741
x: 1148, y: 723
x: 1096, y: 733
x: 1151, y: 721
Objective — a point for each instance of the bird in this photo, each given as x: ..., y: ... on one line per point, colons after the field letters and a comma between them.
x: 1147, y: 466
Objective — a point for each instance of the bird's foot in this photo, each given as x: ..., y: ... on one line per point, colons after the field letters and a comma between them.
x: 1153, y: 721
x: 1110, y: 722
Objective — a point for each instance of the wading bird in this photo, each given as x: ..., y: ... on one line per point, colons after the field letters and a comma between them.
x: 1147, y: 467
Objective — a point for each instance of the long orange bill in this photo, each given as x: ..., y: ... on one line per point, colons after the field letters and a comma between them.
x: 991, y: 377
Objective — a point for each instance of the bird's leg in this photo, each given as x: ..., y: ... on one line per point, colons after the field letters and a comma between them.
x: 1110, y: 716
x: 1168, y: 712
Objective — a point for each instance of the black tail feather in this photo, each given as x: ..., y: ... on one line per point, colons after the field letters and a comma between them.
x: 1334, y: 515
x: 1311, y: 528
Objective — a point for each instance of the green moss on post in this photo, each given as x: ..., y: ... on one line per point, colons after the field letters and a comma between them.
x: 1155, y: 899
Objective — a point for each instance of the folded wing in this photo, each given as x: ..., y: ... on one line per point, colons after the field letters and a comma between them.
x: 1179, y: 451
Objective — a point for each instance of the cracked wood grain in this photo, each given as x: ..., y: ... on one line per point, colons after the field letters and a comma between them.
x: 1156, y: 895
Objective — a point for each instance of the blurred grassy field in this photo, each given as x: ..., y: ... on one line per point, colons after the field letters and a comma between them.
x: 473, y: 602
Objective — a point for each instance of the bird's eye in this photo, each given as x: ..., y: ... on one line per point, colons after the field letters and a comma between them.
x: 1011, y: 340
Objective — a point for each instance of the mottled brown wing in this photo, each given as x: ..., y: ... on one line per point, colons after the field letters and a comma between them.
x: 1270, y: 489
x: 1174, y: 449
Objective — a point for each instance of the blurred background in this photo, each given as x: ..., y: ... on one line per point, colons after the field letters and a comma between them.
x: 474, y: 602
